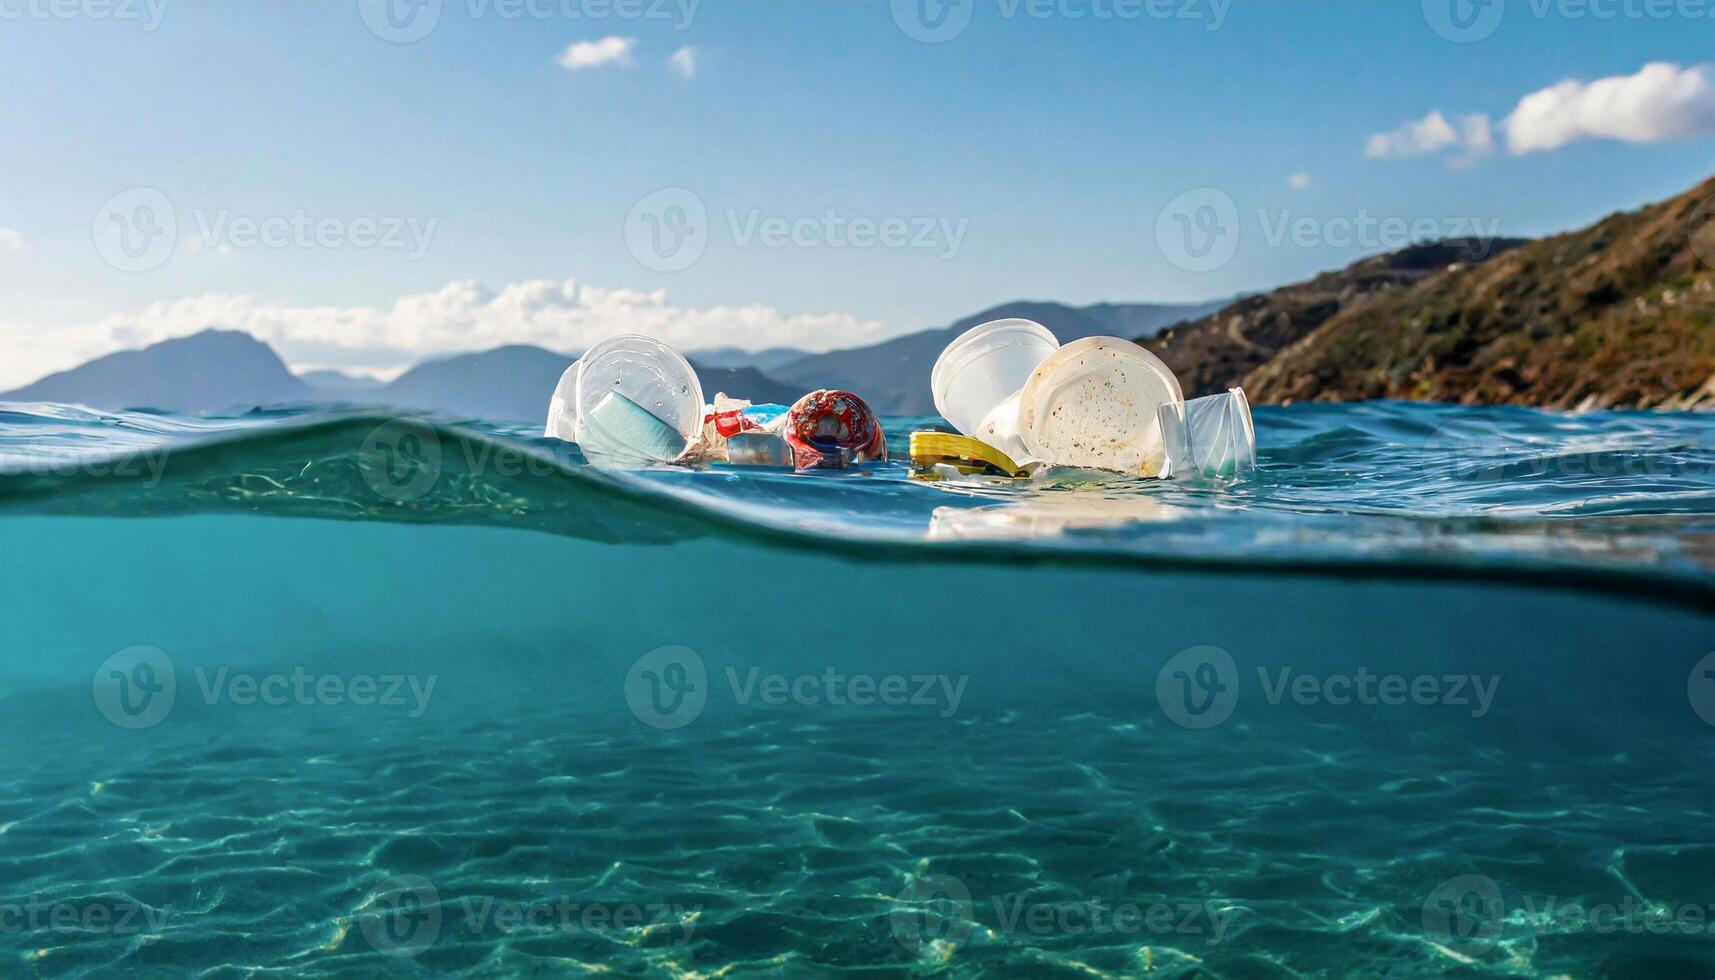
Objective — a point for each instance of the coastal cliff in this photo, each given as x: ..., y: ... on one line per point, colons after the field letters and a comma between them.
x: 1617, y: 315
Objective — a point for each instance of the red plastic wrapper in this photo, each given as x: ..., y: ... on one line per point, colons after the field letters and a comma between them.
x: 832, y: 429
x: 730, y: 423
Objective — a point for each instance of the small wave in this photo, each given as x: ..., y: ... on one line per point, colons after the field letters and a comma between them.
x: 1616, y: 501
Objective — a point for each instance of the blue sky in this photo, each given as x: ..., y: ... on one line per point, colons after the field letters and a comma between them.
x: 1032, y: 156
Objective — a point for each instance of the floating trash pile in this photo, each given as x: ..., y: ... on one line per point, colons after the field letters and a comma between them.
x: 1017, y: 399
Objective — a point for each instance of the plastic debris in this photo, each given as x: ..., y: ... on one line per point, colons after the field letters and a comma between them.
x: 832, y: 429
x: 1100, y: 402
x: 1214, y: 438
x: 629, y: 399
x: 934, y: 454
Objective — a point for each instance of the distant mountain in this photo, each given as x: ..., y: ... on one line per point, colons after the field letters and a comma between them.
x: 734, y: 357
x: 893, y: 376
x: 1618, y: 315
x: 338, y: 381
x: 514, y: 384
x: 208, y: 372
x: 219, y: 370
x: 222, y: 370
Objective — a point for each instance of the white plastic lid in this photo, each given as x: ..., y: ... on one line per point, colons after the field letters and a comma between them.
x: 633, y: 396
x: 984, y: 366
x: 1095, y: 402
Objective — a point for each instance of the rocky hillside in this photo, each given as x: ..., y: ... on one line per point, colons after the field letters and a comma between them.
x: 1621, y: 314
x: 1214, y: 353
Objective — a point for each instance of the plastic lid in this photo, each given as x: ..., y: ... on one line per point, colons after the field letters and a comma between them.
x: 635, y: 397
x: 929, y: 448
x: 1095, y: 403
x: 984, y: 366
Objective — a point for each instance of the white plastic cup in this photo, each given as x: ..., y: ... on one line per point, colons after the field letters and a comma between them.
x: 985, y: 366
x: 630, y: 398
x: 1096, y: 403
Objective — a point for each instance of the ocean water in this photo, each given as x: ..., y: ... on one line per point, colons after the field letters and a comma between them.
x: 1431, y: 693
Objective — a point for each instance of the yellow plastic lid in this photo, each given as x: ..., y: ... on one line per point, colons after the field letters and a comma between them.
x: 968, y: 455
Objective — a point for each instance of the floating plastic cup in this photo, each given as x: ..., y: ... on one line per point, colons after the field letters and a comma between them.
x: 1214, y: 437
x: 1096, y: 403
x: 981, y: 369
x: 759, y: 449
x: 629, y: 398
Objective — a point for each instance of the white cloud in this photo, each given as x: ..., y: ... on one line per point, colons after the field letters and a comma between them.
x: 1299, y: 181
x: 1427, y: 135
x: 684, y: 61
x: 11, y: 241
x: 594, y: 54
x: 1431, y: 134
x: 1661, y: 102
x: 461, y: 316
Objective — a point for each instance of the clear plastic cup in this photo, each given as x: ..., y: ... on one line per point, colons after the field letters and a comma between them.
x: 1096, y: 403
x: 1214, y: 437
x: 983, y: 367
x: 629, y: 398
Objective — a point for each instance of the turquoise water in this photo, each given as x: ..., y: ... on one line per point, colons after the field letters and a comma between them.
x: 337, y: 695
